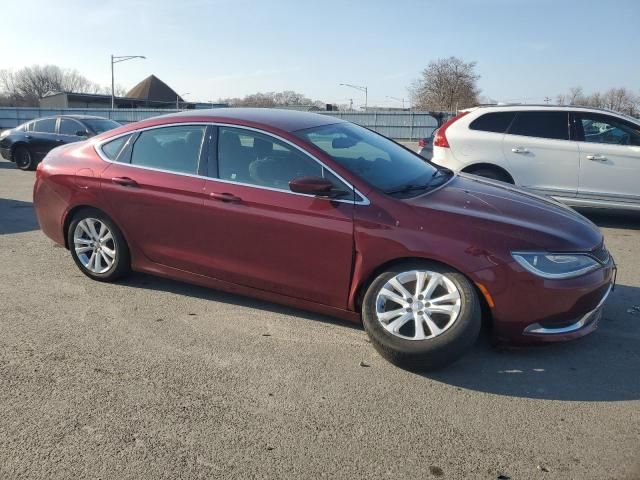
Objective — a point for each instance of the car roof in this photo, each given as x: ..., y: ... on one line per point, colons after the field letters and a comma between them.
x: 286, y: 120
x: 83, y: 117
x: 543, y: 106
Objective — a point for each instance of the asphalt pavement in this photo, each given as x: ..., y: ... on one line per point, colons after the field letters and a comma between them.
x: 151, y: 378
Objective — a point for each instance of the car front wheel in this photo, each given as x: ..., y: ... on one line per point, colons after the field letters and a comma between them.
x: 97, y: 246
x: 23, y: 158
x: 421, y: 316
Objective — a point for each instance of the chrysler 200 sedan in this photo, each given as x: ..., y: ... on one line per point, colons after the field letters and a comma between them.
x: 321, y: 214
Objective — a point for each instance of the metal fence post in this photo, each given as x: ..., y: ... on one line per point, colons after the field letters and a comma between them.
x: 412, y: 119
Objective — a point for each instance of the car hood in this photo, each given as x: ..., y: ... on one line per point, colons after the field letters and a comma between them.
x: 530, y: 220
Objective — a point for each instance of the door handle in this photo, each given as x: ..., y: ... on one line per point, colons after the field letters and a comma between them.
x: 519, y: 150
x: 28, y: 137
x: 597, y: 158
x: 225, y: 197
x: 125, y: 181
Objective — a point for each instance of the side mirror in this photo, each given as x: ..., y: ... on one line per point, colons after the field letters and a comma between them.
x: 312, y: 186
x: 82, y: 133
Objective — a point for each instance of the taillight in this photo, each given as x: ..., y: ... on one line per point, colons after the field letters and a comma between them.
x: 440, y: 140
x: 421, y: 142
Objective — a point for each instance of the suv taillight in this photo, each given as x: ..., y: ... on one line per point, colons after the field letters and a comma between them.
x: 440, y: 140
x: 421, y: 142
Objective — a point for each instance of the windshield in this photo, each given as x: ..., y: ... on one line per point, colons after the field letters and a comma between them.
x: 100, y: 125
x: 372, y: 157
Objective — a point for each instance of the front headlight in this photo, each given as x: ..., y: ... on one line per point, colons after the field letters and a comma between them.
x: 556, y: 265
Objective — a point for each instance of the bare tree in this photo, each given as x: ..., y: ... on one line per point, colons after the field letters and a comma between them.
x: 616, y: 99
x: 446, y: 84
x: 273, y: 99
x: 26, y: 86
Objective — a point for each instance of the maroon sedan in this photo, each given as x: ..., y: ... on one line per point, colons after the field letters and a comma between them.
x: 324, y: 215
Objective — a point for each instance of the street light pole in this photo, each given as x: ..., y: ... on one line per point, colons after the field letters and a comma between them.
x: 362, y: 89
x: 118, y: 59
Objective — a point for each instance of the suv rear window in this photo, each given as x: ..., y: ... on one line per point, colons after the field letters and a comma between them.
x: 497, y: 122
x: 554, y: 125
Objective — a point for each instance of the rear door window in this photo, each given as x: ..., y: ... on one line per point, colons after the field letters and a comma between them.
x: 497, y: 122
x: 175, y: 149
x: 552, y: 125
x: 46, y: 125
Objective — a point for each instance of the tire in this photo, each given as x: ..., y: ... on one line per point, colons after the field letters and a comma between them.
x: 436, y: 349
x: 110, y: 246
x: 23, y: 158
x: 493, y: 174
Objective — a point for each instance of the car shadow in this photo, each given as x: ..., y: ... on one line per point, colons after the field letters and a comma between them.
x: 17, y: 216
x: 610, y: 218
x: 150, y: 282
x: 7, y: 164
x: 603, y: 366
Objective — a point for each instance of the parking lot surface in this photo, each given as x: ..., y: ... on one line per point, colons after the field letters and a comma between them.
x: 151, y: 378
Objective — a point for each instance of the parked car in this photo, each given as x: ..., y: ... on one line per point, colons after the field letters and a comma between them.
x: 581, y: 156
x: 321, y: 214
x: 27, y: 144
x: 425, y: 146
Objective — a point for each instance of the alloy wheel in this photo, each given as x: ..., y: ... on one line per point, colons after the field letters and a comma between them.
x: 418, y: 305
x: 94, y: 245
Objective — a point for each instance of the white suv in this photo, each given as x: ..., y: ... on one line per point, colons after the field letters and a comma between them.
x: 581, y: 156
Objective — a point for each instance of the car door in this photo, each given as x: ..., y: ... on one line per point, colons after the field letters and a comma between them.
x: 155, y: 191
x: 68, y: 130
x: 43, y: 137
x: 262, y: 235
x: 609, y: 158
x: 541, y: 155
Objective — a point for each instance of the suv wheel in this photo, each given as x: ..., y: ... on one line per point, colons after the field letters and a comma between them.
x: 421, y: 315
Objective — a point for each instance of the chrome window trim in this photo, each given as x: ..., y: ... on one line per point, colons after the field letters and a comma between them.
x: 98, y: 148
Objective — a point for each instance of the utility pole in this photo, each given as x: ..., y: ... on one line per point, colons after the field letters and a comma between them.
x: 118, y: 59
x: 362, y: 89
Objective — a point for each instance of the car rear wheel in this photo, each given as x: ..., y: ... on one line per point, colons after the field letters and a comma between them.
x: 23, y: 158
x: 421, y: 316
x: 97, y: 246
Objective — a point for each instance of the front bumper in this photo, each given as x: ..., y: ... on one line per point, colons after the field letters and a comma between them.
x: 529, y: 309
x: 586, y: 324
x: 5, y: 153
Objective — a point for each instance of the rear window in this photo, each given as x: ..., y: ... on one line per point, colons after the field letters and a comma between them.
x: 497, y: 122
x: 553, y: 125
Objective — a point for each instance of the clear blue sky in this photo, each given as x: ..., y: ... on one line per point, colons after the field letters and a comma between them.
x: 525, y: 50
